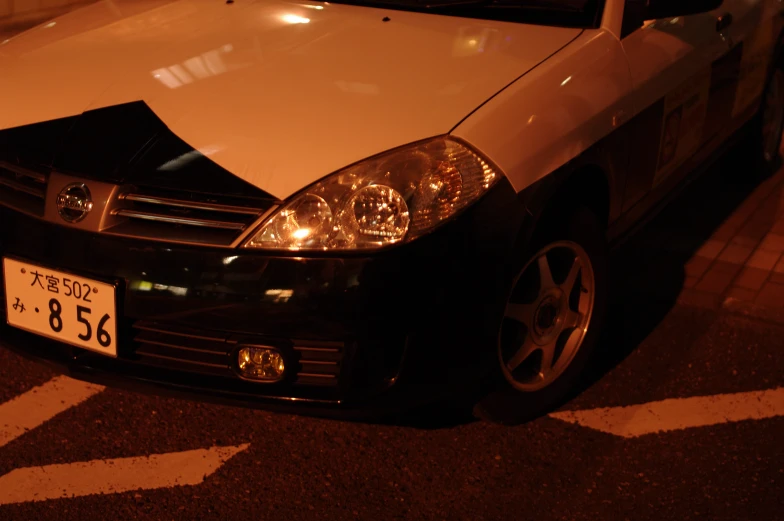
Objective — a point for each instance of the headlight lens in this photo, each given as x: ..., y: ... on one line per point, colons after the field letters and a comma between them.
x: 388, y: 199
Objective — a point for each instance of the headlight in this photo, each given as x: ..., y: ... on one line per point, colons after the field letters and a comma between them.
x: 388, y: 199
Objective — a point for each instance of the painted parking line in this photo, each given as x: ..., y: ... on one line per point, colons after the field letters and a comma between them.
x: 29, y: 410
x: 112, y: 476
x: 679, y: 413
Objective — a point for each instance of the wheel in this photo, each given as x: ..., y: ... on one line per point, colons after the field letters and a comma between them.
x: 765, y: 137
x: 554, y: 313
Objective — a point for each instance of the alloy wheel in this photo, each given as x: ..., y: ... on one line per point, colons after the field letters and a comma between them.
x: 547, y: 316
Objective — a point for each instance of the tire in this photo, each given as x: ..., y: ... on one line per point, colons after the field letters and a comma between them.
x: 767, y: 127
x: 513, y: 398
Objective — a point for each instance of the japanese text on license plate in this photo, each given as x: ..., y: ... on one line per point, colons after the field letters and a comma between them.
x: 62, y: 306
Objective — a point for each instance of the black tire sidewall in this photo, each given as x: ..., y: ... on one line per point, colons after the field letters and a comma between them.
x: 763, y: 167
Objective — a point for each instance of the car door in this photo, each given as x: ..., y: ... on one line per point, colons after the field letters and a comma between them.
x: 676, y: 65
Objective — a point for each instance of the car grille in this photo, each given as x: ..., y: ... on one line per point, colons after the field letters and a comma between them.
x: 190, y: 350
x: 22, y: 188
x: 184, y: 217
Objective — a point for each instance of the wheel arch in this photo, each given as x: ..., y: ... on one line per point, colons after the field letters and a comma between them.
x: 585, y: 183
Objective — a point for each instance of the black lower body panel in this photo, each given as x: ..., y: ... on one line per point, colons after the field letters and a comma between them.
x: 358, y: 332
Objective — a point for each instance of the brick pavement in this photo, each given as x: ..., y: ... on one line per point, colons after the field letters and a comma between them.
x: 743, y: 259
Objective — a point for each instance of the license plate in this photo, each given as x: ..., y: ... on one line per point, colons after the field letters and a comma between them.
x: 65, y: 307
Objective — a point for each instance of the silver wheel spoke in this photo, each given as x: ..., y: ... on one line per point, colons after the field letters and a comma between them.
x: 571, y: 279
x: 572, y: 319
x: 548, y: 353
x: 545, y: 276
x: 522, y: 313
x: 524, y: 352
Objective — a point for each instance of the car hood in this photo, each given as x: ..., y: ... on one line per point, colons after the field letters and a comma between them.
x: 278, y: 93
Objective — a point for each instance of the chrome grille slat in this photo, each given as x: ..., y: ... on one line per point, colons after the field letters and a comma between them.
x: 161, y: 214
x: 164, y: 201
x: 177, y: 338
x: 182, y: 216
x: 318, y: 349
x: 183, y: 360
x: 144, y: 327
x: 38, y: 177
x: 320, y: 362
x: 158, y: 217
x: 175, y: 346
x: 22, y: 189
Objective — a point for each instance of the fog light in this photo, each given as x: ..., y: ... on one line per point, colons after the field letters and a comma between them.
x: 260, y: 363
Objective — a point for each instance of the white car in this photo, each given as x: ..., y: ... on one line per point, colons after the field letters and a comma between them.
x: 355, y: 206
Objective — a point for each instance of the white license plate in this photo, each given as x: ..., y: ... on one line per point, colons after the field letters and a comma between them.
x: 72, y: 309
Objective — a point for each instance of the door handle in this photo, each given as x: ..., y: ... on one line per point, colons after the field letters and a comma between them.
x: 723, y: 22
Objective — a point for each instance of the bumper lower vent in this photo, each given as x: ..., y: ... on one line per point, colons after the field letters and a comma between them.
x: 184, y: 349
x: 319, y: 362
x: 22, y: 189
x: 184, y: 217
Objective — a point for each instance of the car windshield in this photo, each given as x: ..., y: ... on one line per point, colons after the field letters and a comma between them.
x: 571, y: 13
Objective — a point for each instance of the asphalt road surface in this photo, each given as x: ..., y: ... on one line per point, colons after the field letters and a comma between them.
x: 703, y: 442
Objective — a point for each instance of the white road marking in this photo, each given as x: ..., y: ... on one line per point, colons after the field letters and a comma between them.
x: 29, y: 410
x: 113, y: 476
x: 679, y: 413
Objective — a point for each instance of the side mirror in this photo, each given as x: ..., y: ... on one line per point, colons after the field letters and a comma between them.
x: 670, y: 8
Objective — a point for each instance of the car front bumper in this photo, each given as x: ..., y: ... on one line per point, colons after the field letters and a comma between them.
x: 358, y: 332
